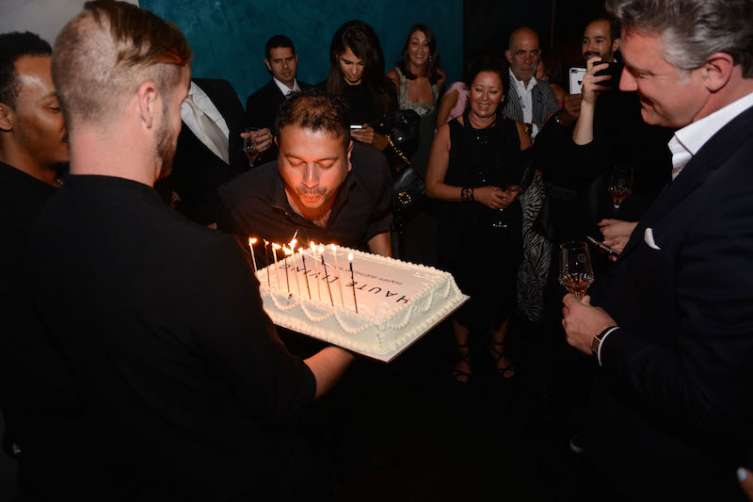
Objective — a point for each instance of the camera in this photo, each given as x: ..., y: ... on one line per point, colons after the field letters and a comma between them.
x: 614, y: 70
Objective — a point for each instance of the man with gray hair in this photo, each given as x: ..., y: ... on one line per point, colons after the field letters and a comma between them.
x: 672, y: 327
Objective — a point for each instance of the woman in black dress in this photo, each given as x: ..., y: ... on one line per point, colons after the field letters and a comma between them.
x: 475, y: 170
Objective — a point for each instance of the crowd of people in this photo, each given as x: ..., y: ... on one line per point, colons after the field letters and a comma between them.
x: 130, y: 189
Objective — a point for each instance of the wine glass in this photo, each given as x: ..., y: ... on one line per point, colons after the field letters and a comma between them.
x: 249, y: 144
x: 576, y: 272
x: 620, y: 185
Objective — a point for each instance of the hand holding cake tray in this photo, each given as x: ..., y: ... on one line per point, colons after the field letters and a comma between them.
x: 365, y: 303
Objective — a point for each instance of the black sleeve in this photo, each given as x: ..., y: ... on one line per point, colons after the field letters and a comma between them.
x: 241, y: 341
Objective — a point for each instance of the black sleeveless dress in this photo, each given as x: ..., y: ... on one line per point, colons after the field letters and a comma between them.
x: 480, y: 246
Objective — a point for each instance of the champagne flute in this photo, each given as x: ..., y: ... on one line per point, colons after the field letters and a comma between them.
x: 620, y: 185
x: 576, y: 272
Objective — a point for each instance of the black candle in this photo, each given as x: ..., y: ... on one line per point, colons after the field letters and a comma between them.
x: 353, y: 280
x: 326, y: 276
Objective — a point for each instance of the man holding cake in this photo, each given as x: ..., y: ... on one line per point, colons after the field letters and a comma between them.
x: 323, y: 187
x: 183, y: 380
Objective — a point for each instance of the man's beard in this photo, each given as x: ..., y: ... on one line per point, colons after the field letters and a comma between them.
x: 166, y: 144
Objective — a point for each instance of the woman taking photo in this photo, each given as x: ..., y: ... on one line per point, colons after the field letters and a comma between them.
x: 475, y: 170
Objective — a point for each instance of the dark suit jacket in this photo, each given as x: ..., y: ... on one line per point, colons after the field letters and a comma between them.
x: 673, y: 404
x: 261, y: 111
x: 197, y: 171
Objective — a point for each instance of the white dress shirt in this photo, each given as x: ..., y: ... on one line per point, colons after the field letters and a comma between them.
x: 525, y: 93
x: 200, y: 99
x: 285, y: 89
x: 688, y: 141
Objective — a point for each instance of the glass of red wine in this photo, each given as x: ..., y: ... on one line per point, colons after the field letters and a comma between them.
x: 620, y: 185
x: 576, y: 271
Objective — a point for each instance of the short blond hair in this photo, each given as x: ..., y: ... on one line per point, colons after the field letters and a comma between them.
x: 102, y: 55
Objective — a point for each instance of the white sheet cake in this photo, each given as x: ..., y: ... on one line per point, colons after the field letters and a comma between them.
x: 397, y: 302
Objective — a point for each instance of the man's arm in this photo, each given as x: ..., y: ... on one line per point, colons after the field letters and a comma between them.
x: 380, y: 244
x: 328, y: 365
x: 702, y: 378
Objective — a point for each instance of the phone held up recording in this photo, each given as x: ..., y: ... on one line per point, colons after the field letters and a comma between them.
x: 614, y: 69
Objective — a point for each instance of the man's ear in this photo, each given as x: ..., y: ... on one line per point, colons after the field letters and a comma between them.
x: 717, y: 71
x: 616, y: 45
x: 508, y: 55
x: 149, y: 103
x: 266, y: 63
x: 350, y: 152
x: 7, y: 118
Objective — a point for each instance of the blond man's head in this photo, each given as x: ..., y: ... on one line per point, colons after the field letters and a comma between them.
x: 104, y: 54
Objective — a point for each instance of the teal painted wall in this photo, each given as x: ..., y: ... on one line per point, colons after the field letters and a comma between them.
x: 228, y: 36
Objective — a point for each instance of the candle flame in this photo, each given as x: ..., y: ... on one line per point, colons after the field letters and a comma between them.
x: 253, y: 240
x: 287, y: 251
x: 321, y: 248
x: 266, y: 242
x: 293, y: 243
x: 275, y: 246
x: 312, y: 245
x: 333, y: 247
x: 350, y: 257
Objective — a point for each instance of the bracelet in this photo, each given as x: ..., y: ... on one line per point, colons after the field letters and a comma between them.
x: 466, y: 194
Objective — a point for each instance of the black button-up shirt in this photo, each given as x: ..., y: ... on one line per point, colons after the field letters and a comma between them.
x: 255, y: 205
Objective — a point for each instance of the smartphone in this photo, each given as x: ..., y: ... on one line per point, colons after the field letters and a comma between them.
x: 356, y: 126
x: 602, y: 246
x: 614, y: 70
x: 576, y: 80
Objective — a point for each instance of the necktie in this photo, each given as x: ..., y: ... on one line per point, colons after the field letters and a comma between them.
x: 219, y: 143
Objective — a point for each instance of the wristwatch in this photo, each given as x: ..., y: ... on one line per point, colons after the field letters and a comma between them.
x: 596, y: 342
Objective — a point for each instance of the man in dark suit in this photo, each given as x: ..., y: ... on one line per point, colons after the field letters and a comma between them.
x: 209, y: 152
x: 261, y: 107
x: 671, y: 327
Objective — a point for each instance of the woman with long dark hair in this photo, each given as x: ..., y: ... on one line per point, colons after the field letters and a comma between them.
x: 357, y: 75
x: 418, y: 76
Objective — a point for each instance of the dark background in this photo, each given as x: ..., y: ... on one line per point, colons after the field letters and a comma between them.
x: 228, y: 36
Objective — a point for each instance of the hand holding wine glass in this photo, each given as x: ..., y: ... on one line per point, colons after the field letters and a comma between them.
x: 620, y: 185
x: 576, y: 271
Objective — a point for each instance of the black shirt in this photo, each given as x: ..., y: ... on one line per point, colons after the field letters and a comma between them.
x: 256, y: 205
x: 181, y: 371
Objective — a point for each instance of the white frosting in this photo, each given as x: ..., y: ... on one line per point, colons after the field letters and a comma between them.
x: 397, y: 301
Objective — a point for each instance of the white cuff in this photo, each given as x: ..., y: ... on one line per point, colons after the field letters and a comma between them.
x: 601, y: 342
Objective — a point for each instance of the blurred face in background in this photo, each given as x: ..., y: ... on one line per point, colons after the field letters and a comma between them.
x: 485, y: 94
x: 419, y: 49
x: 282, y: 62
x: 351, y: 67
x: 597, y: 41
x: 523, y: 54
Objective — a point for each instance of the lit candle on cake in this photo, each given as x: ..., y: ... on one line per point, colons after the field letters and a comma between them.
x: 275, y: 247
x: 305, y: 271
x: 293, y: 244
x: 251, y: 242
x: 285, y: 266
x: 312, y: 247
x: 326, y: 275
x: 266, y: 257
x: 333, y: 248
x: 290, y: 252
x: 353, y: 280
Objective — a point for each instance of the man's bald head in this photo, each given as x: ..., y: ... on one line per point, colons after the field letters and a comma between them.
x: 523, y: 53
x: 104, y: 54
